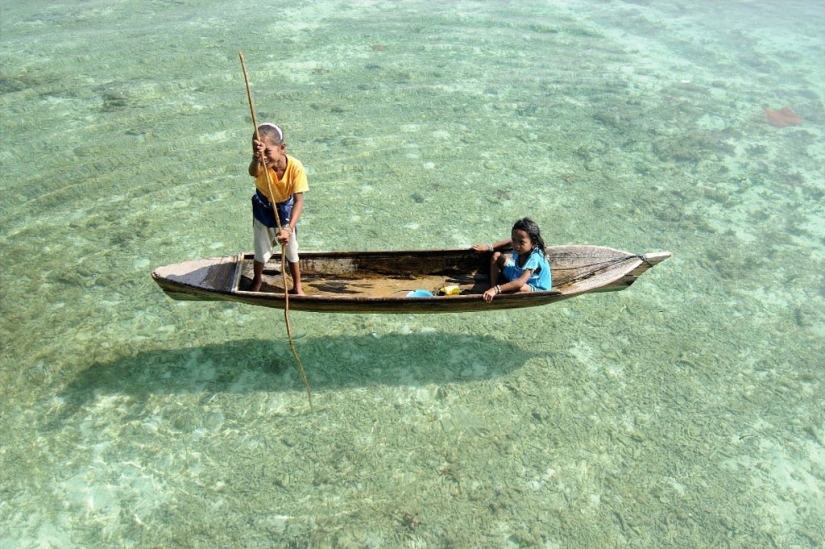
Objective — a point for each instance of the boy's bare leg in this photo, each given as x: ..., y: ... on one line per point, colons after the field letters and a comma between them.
x: 257, y: 270
x: 295, y: 271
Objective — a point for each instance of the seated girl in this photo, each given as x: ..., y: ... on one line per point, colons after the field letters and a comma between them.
x: 525, y: 269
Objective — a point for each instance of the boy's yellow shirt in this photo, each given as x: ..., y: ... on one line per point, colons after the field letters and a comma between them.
x: 293, y: 181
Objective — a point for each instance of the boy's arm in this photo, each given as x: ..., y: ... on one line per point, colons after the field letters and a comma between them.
x: 254, y: 167
x: 258, y: 151
x: 297, y: 208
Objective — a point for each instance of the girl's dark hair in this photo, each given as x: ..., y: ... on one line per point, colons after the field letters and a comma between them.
x: 532, y: 229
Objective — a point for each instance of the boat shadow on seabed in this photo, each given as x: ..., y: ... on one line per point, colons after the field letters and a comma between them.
x: 253, y: 366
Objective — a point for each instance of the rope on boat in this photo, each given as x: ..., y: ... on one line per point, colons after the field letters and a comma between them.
x: 592, y: 269
x: 283, y: 246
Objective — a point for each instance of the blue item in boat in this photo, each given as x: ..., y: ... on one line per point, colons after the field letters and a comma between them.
x: 420, y: 293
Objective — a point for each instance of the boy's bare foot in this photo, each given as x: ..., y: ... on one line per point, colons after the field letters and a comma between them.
x: 256, y: 286
x: 297, y: 291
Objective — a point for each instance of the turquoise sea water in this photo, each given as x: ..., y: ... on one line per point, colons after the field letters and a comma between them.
x: 686, y: 411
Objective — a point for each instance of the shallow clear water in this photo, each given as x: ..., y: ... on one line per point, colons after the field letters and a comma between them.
x: 685, y: 411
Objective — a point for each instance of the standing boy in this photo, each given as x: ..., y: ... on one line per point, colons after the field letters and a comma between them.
x: 288, y: 180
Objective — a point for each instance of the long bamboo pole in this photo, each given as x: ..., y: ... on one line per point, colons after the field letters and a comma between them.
x: 278, y: 221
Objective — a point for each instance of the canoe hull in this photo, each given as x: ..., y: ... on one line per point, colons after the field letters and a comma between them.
x: 378, y: 282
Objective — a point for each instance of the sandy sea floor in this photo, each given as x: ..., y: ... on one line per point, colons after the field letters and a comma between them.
x: 686, y: 411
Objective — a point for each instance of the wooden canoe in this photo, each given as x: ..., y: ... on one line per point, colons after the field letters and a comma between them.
x: 379, y: 281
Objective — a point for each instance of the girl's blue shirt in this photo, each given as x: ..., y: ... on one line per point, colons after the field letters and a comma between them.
x: 540, y: 279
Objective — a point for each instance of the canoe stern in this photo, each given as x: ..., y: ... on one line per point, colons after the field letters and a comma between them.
x: 199, y: 280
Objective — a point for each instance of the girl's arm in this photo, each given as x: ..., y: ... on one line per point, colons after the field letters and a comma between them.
x: 482, y: 248
x: 512, y: 286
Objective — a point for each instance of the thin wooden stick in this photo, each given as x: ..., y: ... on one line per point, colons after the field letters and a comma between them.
x: 278, y: 221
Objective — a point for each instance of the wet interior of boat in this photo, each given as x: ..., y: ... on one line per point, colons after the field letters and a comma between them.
x: 363, y: 282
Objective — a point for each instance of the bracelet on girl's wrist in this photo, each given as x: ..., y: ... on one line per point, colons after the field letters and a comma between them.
x: 498, y: 289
